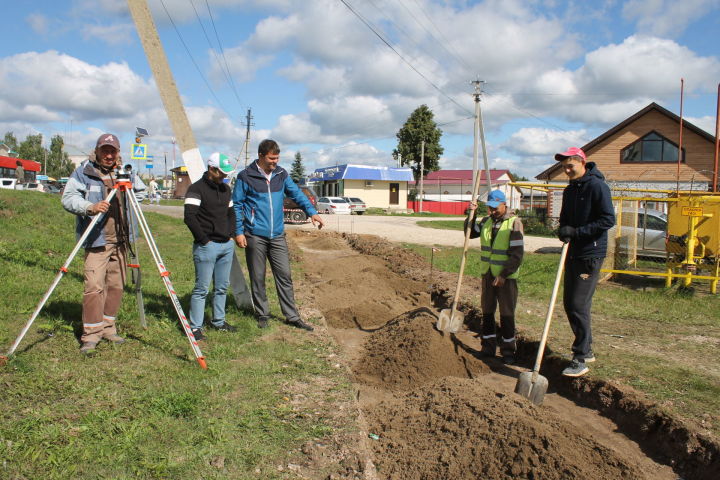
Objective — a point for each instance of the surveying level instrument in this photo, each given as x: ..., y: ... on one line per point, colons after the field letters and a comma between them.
x: 124, y: 186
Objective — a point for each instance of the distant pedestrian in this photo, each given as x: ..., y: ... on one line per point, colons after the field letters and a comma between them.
x: 105, y: 247
x: 258, y: 198
x: 501, y: 253
x: 210, y: 216
x: 19, y: 172
x: 153, y: 192
x: 587, y: 214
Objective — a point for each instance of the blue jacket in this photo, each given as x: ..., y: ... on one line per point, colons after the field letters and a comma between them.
x: 259, y: 203
x: 83, y: 189
x: 587, y: 206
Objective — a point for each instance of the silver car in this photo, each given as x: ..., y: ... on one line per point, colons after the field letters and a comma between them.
x: 651, y: 234
x: 333, y: 205
x: 357, y: 206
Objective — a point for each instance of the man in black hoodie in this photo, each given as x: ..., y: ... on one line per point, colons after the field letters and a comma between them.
x: 587, y: 214
x: 210, y: 216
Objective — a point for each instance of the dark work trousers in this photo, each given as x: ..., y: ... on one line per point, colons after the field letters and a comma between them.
x: 581, y: 278
x: 258, y: 251
x: 504, y: 297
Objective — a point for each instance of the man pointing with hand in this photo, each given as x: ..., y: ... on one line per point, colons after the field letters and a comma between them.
x: 258, y: 201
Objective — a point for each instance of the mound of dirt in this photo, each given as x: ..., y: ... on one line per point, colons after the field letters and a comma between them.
x: 353, y: 290
x: 479, y: 433
x: 409, y: 352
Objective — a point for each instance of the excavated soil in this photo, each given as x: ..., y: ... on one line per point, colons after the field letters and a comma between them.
x: 434, y: 410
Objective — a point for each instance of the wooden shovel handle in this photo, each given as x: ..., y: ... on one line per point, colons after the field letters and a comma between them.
x: 551, y: 307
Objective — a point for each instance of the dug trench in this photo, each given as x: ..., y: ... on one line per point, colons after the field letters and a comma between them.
x: 433, y: 409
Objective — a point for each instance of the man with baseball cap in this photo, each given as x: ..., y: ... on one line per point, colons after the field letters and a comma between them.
x: 501, y: 253
x: 586, y: 216
x: 210, y: 216
x: 105, y: 246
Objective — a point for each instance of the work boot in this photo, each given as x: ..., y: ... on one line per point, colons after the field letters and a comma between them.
x: 224, y: 327
x: 489, y: 345
x: 262, y: 323
x: 577, y: 368
x: 88, y: 348
x: 509, y: 359
x: 300, y: 324
x: 115, y: 339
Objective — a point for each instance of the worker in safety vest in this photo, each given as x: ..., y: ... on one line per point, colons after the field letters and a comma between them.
x: 501, y: 253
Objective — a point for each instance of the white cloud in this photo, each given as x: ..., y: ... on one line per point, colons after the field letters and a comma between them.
x: 242, y: 63
x: 666, y: 18
x: 707, y: 123
x: 38, y: 23
x: 63, y: 85
x: 543, y: 141
x: 113, y: 34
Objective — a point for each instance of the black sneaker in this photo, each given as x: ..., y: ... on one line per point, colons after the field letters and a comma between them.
x: 262, y: 323
x: 509, y: 359
x: 224, y: 327
x: 300, y: 324
x: 198, y: 334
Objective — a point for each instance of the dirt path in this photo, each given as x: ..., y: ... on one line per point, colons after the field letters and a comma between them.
x: 438, y: 411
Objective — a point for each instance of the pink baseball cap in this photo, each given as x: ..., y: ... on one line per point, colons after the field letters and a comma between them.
x: 571, y: 152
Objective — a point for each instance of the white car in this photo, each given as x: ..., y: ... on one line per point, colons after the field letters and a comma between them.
x: 333, y: 205
x: 8, y: 183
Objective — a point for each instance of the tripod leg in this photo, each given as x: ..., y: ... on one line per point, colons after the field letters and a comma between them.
x: 136, y: 273
x: 58, y: 277
x: 165, y: 275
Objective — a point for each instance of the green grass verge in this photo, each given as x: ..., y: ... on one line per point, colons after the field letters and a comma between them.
x: 143, y: 409
x: 383, y: 212
x: 459, y: 225
x: 661, y: 341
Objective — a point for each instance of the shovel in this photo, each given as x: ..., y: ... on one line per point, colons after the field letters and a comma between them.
x: 532, y: 385
x: 450, y: 320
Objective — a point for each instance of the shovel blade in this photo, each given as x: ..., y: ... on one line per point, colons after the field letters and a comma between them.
x: 532, y: 390
x: 449, y: 322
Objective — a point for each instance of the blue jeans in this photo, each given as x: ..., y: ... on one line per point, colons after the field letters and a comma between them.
x: 212, y: 261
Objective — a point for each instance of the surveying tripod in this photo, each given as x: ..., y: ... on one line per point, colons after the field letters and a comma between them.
x: 124, y: 186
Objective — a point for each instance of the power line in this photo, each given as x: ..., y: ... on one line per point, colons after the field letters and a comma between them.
x: 367, y: 24
x: 222, y: 52
x: 187, y: 50
x: 452, y: 53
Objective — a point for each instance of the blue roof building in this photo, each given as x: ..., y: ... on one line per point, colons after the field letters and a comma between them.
x: 380, y: 187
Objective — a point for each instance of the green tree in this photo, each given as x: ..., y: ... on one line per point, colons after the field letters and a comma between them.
x: 517, y: 178
x: 297, y: 171
x: 419, y: 126
x: 58, y: 161
x: 11, y: 141
x: 31, y: 149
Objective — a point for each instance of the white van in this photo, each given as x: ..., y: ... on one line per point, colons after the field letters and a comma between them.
x: 8, y: 183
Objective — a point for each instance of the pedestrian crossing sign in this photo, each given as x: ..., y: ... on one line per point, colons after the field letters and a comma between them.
x: 139, y: 151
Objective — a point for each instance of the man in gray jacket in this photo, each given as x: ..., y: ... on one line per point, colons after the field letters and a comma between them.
x: 104, y: 271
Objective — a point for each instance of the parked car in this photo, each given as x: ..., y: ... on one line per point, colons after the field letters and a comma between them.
x: 32, y: 186
x: 651, y: 233
x: 357, y: 206
x: 8, y: 183
x: 53, y: 188
x: 333, y: 205
x: 292, y: 213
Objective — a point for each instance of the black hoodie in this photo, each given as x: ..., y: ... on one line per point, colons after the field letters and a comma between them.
x: 587, y: 206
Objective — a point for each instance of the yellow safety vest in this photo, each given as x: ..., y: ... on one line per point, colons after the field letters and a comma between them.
x: 494, y: 257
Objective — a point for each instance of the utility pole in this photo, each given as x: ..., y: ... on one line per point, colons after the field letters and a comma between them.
x: 422, y: 173
x: 248, y: 123
x: 479, y: 130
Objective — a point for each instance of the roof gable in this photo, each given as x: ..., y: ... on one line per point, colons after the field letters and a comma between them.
x: 588, y: 147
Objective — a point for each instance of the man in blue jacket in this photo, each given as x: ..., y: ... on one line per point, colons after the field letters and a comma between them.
x: 586, y: 216
x: 258, y: 200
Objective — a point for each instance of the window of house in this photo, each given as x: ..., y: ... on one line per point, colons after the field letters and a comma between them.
x: 652, y: 148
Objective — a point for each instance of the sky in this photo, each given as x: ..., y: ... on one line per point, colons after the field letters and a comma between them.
x: 336, y: 79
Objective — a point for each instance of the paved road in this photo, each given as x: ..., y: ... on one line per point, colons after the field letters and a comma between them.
x: 393, y: 228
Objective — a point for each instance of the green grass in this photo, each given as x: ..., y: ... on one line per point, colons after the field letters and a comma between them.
x: 661, y: 341
x: 144, y: 409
